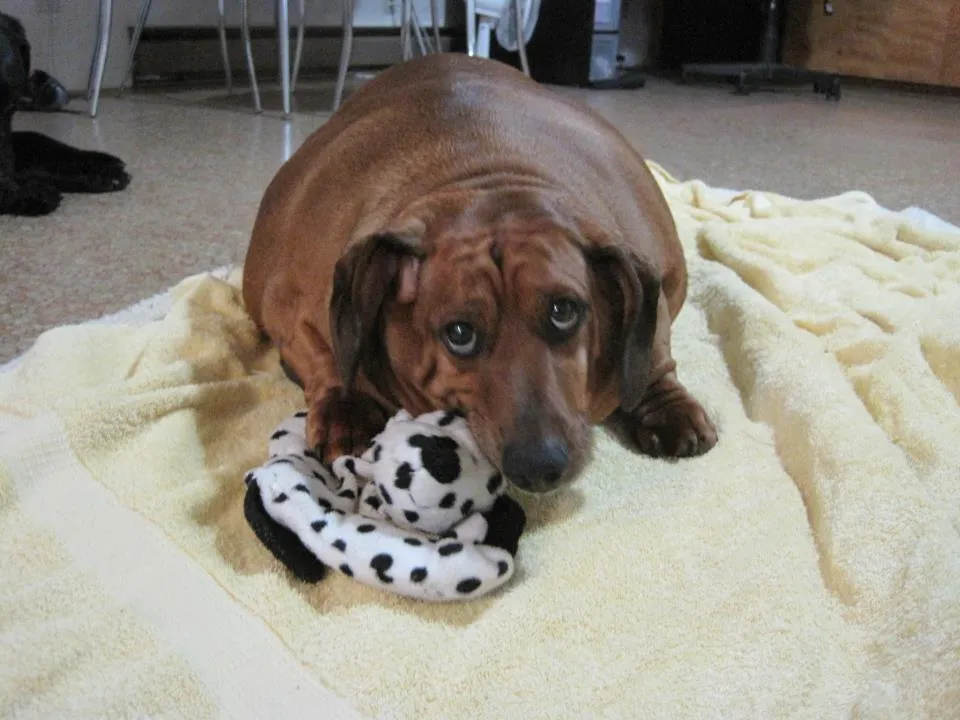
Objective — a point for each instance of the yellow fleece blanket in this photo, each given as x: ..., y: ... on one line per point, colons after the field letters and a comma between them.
x: 808, y: 567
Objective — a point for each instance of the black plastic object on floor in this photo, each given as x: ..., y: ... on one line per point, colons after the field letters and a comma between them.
x: 768, y: 71
x: 44, y: 93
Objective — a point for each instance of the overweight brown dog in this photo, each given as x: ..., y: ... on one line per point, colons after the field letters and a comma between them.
x: 459, y: 237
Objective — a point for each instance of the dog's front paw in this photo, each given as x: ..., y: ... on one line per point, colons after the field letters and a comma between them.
x: 101, y: 173
x: 31, y: 198
x: 669, y: 422
x: 680, y: 430
x: 343, y: 423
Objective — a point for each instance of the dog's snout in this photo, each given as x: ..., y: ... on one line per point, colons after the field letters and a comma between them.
x: 537, y: 466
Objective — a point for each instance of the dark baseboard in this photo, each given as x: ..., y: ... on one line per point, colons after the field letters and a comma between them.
x: 174, y: 55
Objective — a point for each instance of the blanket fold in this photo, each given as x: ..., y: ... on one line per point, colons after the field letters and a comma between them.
x: 807, y: 567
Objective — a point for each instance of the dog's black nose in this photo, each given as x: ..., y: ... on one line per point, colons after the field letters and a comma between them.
x: 537, y: 466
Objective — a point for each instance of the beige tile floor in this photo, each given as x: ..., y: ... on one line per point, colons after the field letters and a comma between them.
x: 201, y: 160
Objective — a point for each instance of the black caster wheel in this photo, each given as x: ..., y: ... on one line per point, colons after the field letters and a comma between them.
x: 830, y: 88
x: 832, y: 91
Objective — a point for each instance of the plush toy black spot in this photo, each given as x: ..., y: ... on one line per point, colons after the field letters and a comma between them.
x: 450, y: 416
x: 439, y: 456
x: 468, y: 586
x: 386, y: 496
x: 404, y: 477
x: 448, y: 500
x: 381, y: 563
x: 451, y: 549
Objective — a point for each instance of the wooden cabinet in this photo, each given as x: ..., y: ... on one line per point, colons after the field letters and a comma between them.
x: 915, y: 41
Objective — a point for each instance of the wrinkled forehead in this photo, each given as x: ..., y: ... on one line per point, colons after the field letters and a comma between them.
x: 463, y: 269
x: 503, y: 268
x: 548, y: 262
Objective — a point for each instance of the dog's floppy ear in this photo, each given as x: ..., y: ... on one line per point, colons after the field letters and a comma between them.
x: 633, y: 291
x: 379, y: 267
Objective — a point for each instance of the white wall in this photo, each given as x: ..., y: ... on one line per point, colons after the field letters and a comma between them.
x: 63, y: 32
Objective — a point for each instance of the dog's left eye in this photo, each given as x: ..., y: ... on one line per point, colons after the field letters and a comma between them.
x: 461, y: 339
x: 564, y: 314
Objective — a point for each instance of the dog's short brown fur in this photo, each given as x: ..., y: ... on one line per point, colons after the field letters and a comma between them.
x: 458, y: 236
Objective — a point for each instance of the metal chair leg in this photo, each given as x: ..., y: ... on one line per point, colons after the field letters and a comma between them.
x: 406, y: 49
x: 100, y: 57
x: 301, y: 26
x: 521, y: 45
x: 345, y: 51
x: 435, y: 22
x: 222, y: 31
x: 283, y: 30
x: 471, y: 27
x: 484, y: 31
x: 423, y: 43
x: 93, y: 59
x: 248, y: 51
x: 135, y: 42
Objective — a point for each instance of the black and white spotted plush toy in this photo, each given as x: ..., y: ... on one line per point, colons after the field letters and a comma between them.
x: 422, y: 513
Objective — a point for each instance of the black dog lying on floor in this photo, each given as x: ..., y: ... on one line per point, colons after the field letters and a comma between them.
x: 36, y: 169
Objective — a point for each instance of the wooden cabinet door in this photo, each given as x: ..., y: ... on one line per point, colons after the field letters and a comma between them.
x: 906, y: 40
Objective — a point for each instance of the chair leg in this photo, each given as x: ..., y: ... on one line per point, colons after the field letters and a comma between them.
x: 299, y: 51
x: 483, y: 36
x: 248, y: 51
x: 283, y: 31
x: 435, y: 22
x: 423, y: 44
x: 135, y: 42
x: 471, y: 27
x: 93, y: 59
x: 222, y: 31
x: 406, y: 49
x: 100, y: 57
x: 521, y: 45
x: 345, y: 51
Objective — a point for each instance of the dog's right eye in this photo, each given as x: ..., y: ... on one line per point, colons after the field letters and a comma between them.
x: 460, y: 339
